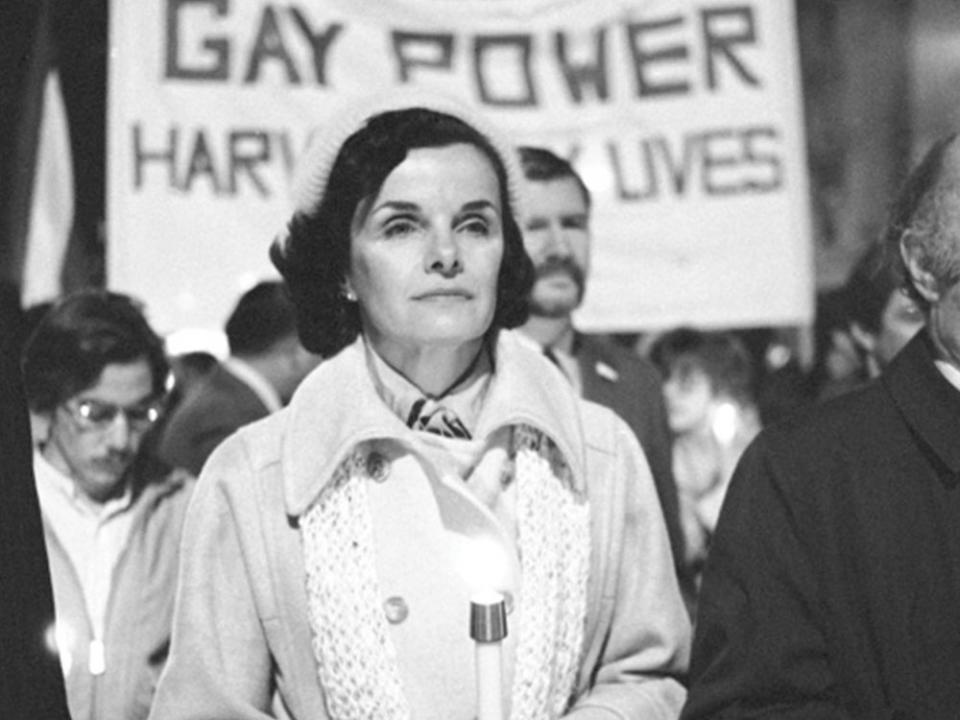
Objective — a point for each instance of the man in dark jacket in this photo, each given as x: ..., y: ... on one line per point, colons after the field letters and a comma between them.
x: 266, y: 364
x: 833, y: 585
x: 557, y: 238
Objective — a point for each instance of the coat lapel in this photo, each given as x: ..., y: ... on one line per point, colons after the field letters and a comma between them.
x: 928, y: 402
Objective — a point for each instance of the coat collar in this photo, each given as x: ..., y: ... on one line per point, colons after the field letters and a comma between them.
x: 926, y: 399
x: 336, y: 408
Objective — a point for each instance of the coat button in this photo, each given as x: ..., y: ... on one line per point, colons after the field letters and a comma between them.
x: 396, y: 609
x: 377, y: 467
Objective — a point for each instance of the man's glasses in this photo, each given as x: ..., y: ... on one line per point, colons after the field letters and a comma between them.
x: 96, y: 415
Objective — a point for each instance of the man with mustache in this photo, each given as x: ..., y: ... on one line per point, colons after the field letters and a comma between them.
x: 557, y: 238
x: 95, y: 376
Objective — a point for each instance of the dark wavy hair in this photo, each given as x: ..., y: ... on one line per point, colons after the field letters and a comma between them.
x: 316, y: 255
x: 720, y: 355
x: 78, y: 337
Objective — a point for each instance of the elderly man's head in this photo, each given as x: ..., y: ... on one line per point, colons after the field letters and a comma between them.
x: 925, y: 230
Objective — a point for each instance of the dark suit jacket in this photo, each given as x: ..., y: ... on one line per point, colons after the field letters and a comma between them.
x: 31, y: 682
x: 833, y: 584
x: 630, y: 386
x: 219, y: 405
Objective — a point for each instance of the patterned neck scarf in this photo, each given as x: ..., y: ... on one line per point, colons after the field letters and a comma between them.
x: 451, y: 413
x: 430, y: 416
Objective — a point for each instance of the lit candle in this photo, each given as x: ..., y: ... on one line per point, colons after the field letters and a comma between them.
x: 488, y: 628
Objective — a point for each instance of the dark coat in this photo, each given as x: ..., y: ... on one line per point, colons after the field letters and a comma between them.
x: 31, y: 682
x: 833, y: 584
x: 219, y: 405
x: 631, y: 386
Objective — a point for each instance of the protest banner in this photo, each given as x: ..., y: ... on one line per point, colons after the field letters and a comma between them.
x: 683, y: 116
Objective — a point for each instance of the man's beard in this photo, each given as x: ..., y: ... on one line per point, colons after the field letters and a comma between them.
x: 557, y: 307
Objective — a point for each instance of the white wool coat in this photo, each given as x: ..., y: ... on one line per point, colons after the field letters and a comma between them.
x: 241, y: 644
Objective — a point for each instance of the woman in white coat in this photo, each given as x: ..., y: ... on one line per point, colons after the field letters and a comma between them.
x: 331, y: 552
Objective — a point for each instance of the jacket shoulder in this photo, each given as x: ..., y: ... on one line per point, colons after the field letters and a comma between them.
x: 618, y: 365
x: 841, y: 422
x: 854, y: 439
x: 598, y: 348
x: 219, y: 399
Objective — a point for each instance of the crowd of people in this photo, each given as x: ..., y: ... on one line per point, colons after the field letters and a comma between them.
x: 409, y: 418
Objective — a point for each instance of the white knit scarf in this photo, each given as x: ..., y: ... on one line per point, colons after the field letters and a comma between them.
x: 357, y: 662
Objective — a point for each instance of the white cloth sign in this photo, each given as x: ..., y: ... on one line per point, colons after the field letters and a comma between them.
x: 684, y: 118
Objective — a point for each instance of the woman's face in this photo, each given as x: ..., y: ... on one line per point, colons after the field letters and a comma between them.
x: 688, y: 396
x: 425, y: 252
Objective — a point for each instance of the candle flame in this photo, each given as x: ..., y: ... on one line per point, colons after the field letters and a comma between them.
x: 485, y: 566
x: 724, y: 422
x: 59, y: 639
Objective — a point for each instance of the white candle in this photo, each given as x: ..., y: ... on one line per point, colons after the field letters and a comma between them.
x: 488, y: 628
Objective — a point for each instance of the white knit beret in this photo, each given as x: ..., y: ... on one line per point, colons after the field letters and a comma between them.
x: 313, y: 169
